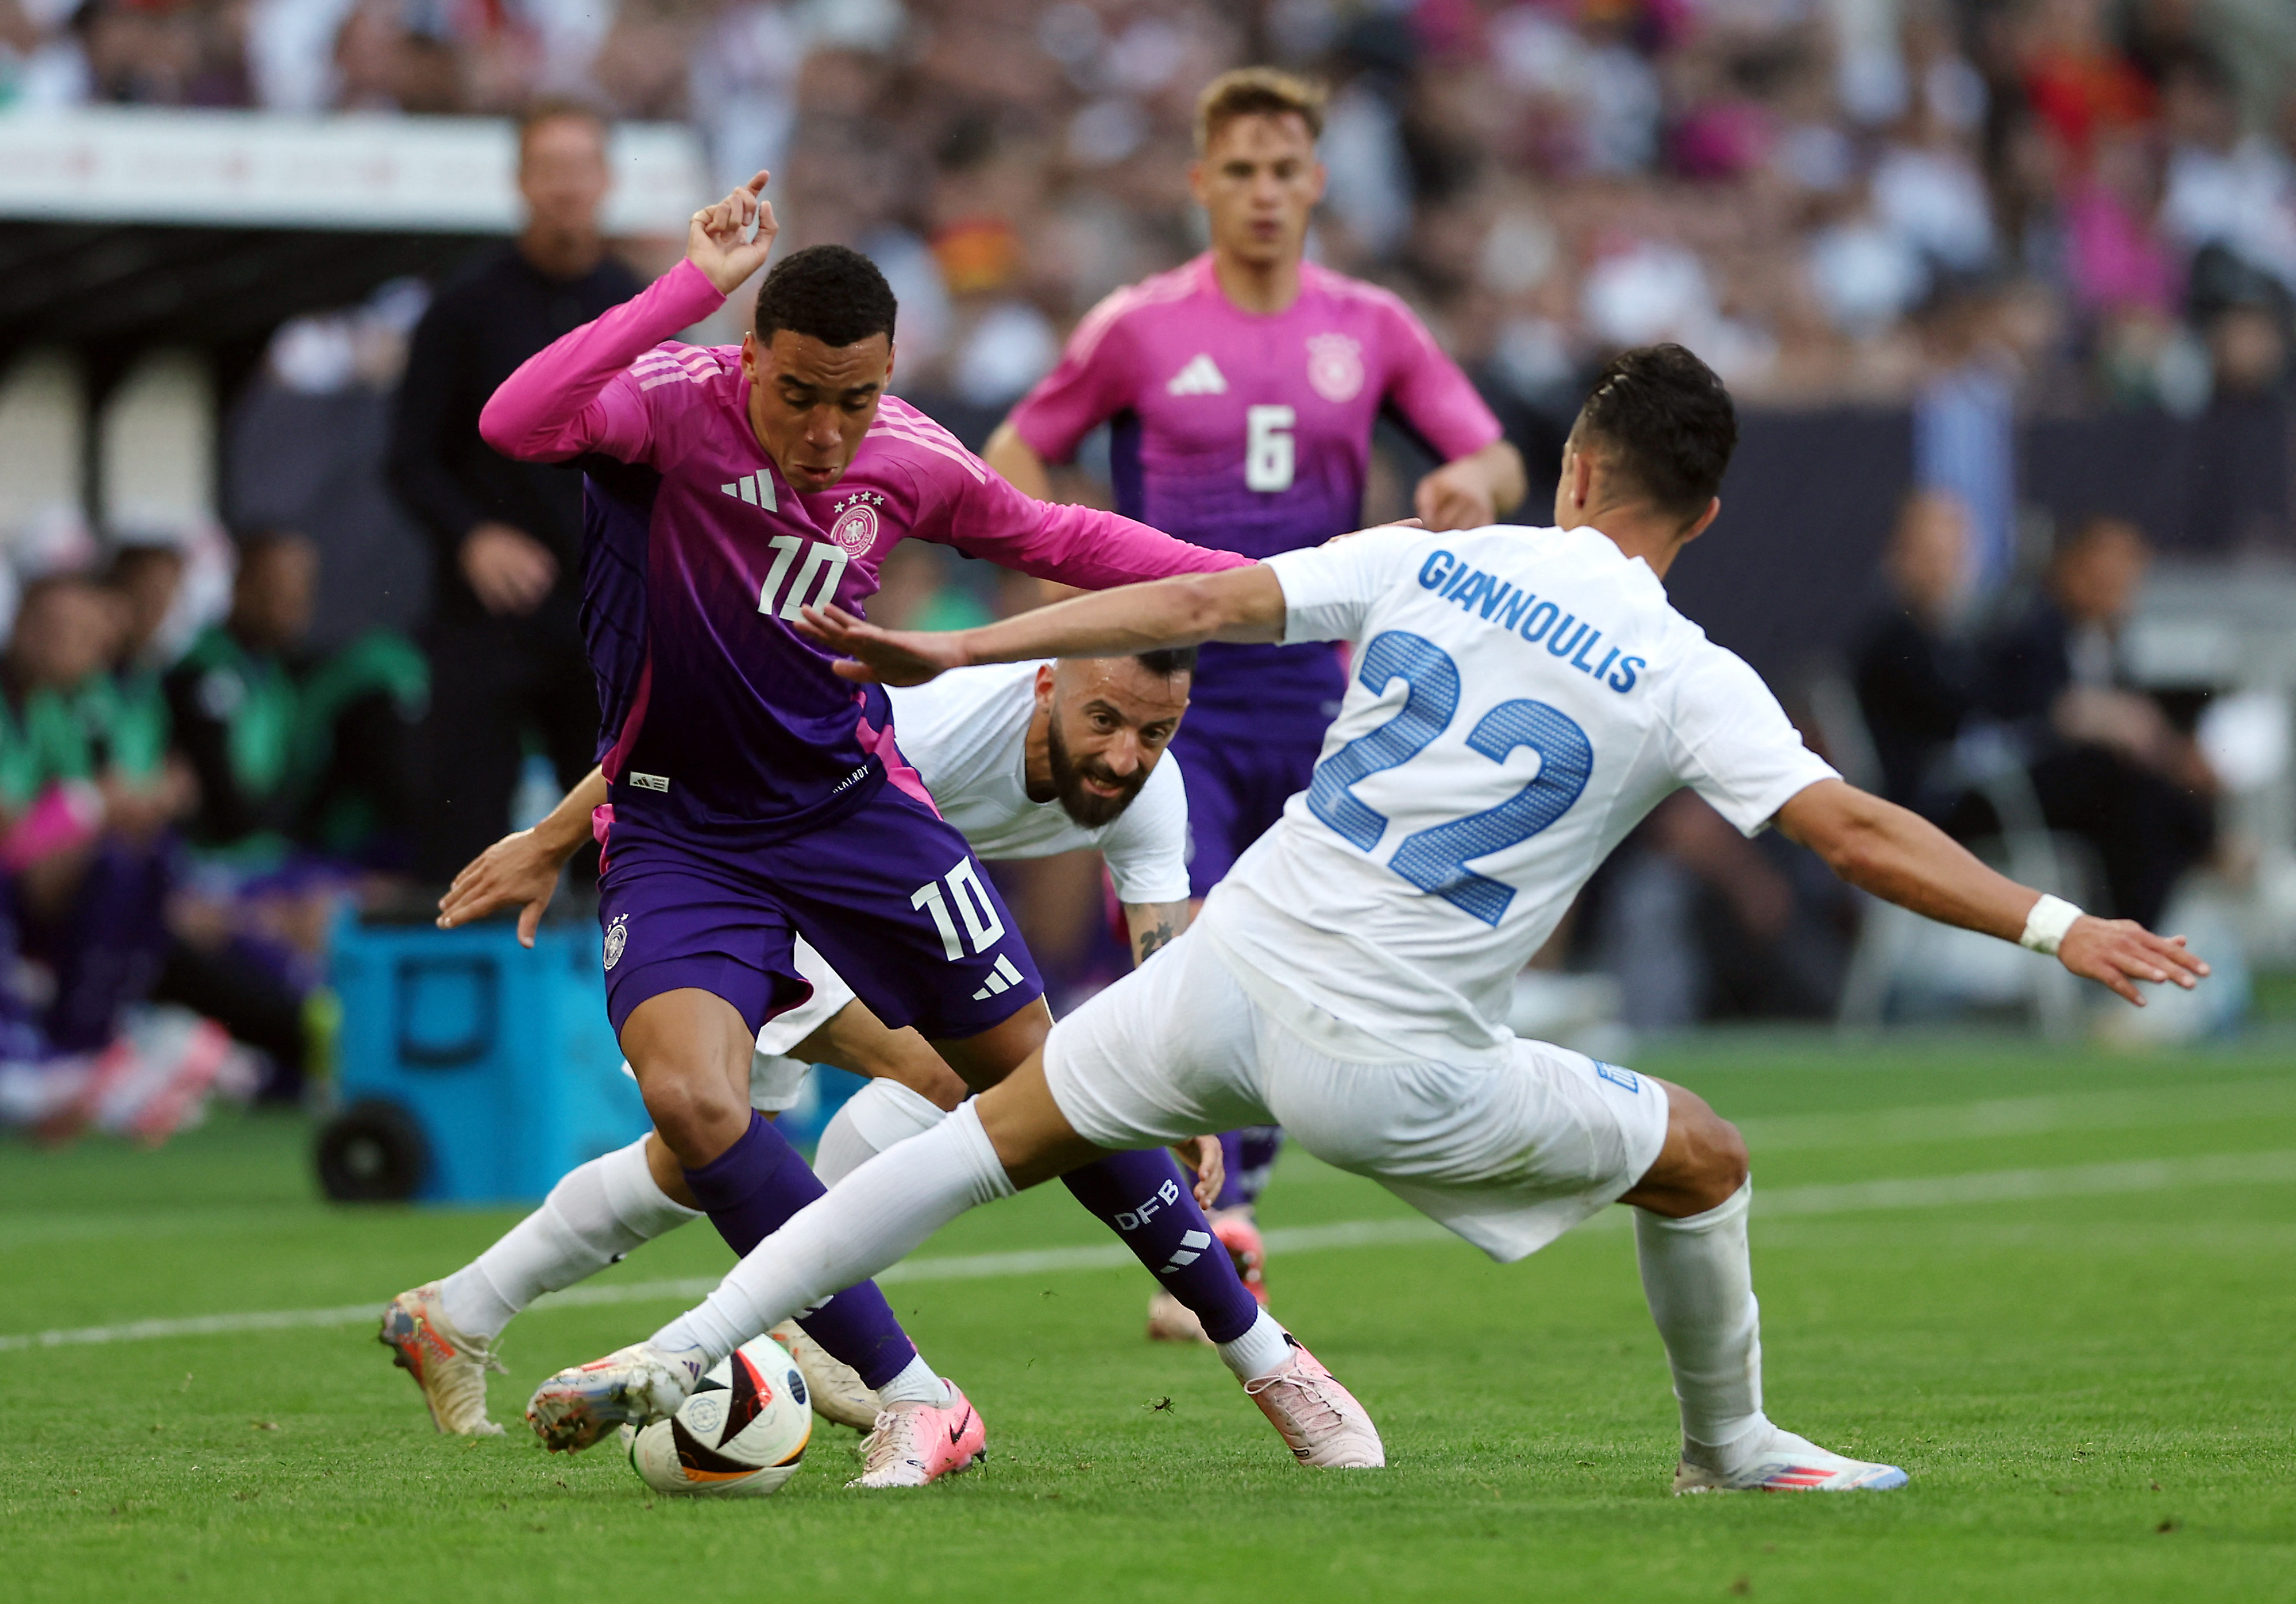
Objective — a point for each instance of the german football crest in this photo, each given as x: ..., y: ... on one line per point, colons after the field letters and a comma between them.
x: 618, y: 936
x: 1335, y: 367
x: 855, y: 529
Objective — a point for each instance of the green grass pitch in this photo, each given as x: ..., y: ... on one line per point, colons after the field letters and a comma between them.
x: 2057, y: 1287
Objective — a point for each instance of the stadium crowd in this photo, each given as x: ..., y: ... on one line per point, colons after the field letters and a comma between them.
x: 1826, y: 198
x: 1978, y: 208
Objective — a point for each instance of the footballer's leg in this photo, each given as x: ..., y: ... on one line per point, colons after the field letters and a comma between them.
x: 1142, y: 1195
x: 699, y: 956
x: 1237, y: 790
x: 1690, y: 1239
x: 1130, y: 1043
x: 910, y: 1089
x: 917, y: 927
x: 444, y: 1334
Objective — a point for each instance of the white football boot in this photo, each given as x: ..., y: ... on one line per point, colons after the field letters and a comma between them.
x: 834, y: 1388
x: 1787, y: 1463
x: 630, y: 1386
x: 1320, y: 1421
x: 450, y: 1368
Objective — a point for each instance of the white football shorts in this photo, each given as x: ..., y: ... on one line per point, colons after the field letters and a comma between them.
x: 776, y: 1081
x: 1510, y: 1154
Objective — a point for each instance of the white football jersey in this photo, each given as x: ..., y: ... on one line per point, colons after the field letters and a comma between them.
x: 1520, y: 700
x: 967, y: 734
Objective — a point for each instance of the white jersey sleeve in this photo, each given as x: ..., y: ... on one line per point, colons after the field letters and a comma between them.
x: 1146, y: 849
x: 1729, y: 741
x: 1329, y: 589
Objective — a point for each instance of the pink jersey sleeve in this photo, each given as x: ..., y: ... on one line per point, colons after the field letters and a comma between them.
x: 577, y: 394
x: 1093, y: 383
x: 975, y: 511
x: 1431, y: 392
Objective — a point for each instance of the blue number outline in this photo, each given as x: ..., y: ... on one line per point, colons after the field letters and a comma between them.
x: 1430, y: 701
x: 1435, y: 859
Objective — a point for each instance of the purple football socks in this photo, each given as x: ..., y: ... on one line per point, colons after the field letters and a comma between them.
x: 1251, y: 1153
x: 1145, y: 1200
x: 749, y: 1191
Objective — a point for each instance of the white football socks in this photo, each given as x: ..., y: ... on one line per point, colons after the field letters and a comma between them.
x: 880, y: 1213
x: 1260, y: 1350
x: 1700, y: 1284
x: 596, y: 1214
x: 917, y: 1383
x: 873, y: 1119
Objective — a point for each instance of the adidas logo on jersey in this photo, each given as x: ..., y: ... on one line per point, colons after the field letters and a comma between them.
x: 755, y: 489
x: 1201, y: 377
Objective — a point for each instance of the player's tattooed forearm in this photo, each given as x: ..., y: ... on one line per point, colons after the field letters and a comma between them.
x: 1162, y: 935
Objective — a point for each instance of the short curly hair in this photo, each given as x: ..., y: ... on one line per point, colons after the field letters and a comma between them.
x: 1662, y: 418
x: 833, y: 293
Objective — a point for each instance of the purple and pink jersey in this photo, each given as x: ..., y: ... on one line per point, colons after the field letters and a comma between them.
x: 1251, y: 433
x: 715, y: 713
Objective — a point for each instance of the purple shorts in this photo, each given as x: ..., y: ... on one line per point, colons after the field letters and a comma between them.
x: 1237, y: 781
x: 889, y: 893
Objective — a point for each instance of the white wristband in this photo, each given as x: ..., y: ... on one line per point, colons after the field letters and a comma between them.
x: 2046, y: 924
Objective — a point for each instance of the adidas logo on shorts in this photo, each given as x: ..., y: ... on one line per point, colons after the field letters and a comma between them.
x: 1003, y: 978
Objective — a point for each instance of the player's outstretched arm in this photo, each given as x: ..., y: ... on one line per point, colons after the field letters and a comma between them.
x: 1901, y: 857
x: 563, y: 401
x: 1237, y: 604
x: 521, y: 871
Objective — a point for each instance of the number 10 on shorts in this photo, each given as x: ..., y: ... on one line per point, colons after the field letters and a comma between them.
x: 973, y: 906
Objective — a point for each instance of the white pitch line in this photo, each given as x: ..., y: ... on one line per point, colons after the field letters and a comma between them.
x: 2149, y: 1108
x: 1862, y: 1197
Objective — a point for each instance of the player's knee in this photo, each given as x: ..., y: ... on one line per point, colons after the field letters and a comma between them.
x: 1726, y: 1165
x: 696, y: 1114
x: 1707, y: 1155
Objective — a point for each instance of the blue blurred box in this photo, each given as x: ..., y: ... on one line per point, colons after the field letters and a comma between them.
x: 471, y: 1070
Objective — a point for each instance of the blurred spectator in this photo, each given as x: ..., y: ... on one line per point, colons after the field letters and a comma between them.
x: 2106, y: 763
x: 2078, y: 81
x: 2224, y: 188
x: 305, y: 448
x: 303, y: 777
x: 233, y: 699
x: 1782, y: 185
x: 1699, y: 923
x: 84, y: 842
x: 506, y: 536
x: 1915, y: 677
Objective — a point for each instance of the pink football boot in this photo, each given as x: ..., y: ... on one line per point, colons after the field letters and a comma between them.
x: 914, y: 1443
x: 1320, y: 1421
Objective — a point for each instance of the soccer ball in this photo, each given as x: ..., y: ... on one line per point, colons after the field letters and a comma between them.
x: 740, y: 1436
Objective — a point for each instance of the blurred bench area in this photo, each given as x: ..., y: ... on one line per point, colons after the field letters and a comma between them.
x: 2005, y: 287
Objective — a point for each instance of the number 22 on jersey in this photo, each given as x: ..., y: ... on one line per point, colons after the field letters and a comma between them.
x: 1435, y: 859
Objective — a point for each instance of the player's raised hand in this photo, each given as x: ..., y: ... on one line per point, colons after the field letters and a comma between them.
x: 731, y: 240
x: 891, y: 656
x: 516, y: 871
x: 2119, y: 952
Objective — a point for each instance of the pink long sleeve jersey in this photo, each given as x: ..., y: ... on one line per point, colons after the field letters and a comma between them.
x: 697, y: 554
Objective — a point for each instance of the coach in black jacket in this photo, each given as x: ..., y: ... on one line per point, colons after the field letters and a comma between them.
x: 506, y: 644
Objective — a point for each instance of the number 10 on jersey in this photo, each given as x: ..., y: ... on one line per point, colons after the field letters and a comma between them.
x: 824, y: 566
